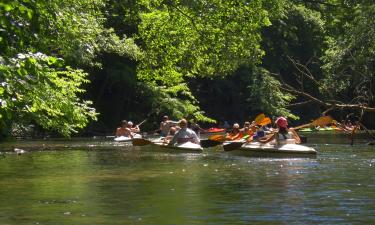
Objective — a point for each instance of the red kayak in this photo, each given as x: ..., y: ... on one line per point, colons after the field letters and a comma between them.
x: 214, y: 130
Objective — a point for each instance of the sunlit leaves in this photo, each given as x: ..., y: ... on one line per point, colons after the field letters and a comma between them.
x: 266, y: 95
x: 39, y: 90
x: 183, y: 39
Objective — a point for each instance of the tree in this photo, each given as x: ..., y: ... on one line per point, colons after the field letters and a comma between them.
x: 39, y: 39
x: 187, y: 39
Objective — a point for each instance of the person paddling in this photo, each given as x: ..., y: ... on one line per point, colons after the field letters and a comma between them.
x: 121, y: 131
x: 127, y: 130
x: 283, y: 134
x: 184, y: 135
x: 166, y: 125
x: 234, y: 134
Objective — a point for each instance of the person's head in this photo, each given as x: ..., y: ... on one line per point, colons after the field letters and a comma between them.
x: 165, y: 118
x: 182, y: 123
x: 124, y: 123
x: 246, y: 124
x: 281, y: 122
x: 236, y: 126
x: 130, y: 124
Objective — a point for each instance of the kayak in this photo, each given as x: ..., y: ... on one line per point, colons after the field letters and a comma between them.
x: 269, y: 148
x: 213, y: 130
x: 126, y: 139
x: 187, y: 146
x: 319, y: 129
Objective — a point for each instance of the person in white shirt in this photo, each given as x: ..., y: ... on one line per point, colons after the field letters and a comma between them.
x: 184, y: 135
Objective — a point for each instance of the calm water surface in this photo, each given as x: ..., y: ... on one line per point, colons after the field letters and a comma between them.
x: 100, y: 182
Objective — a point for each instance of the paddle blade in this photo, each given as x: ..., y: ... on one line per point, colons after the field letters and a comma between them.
x: 265, y: 121
x: 140, y: 142
x: 259, y: 118
x: 230, y: 146
x: 322, y: 121
x: 207, y: 143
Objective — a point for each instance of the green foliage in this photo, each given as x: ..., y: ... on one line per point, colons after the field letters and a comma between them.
x: 39, y: 89
x: 266, y: 95
x: 349, y: 60
x: 183, y: 39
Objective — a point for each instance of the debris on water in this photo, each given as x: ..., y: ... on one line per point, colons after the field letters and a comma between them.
x: 205, y: 164
x: 67, y: 213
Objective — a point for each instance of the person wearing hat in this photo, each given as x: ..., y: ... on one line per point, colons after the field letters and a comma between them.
x: 166, y: 125
x: 283, y: 133
x: 184, y: 135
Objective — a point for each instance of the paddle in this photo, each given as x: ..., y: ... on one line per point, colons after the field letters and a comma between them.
x: 140, y: 142
x: 259, y: 120
x: 207, y: 143
x: 321, y: 121
x: 230, y: 146
x: 265, y: 122
x: 139, y: 124
x: 143, y: 142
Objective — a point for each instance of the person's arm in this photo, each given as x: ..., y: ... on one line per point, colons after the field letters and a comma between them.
x: 196, y: 138
x: 295, y: 136
x: 129, y: 132
x: 268, y: 139
x: 172, y: 123
x: 136, y: 129
x: 174, y: 140
x: 117, y: 134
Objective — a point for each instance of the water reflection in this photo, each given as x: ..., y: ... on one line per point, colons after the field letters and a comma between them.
x: 90, y: 182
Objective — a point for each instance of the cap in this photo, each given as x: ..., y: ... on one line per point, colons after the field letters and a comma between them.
x: 281, y: 122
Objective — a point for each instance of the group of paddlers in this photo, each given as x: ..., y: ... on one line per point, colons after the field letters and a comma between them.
x: 178, y: 132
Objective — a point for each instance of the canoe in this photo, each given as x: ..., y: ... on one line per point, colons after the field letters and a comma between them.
x: 126, y: 139
x: 187, y: 146
x: 257, y: 148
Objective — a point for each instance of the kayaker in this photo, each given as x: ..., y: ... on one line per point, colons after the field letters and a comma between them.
x: 166, y: 125
x: 171, y: 133
x: 121, y: 131
x: 283, y: 133
x: 184, y: 135
x: 129, y: 130
x: 235, y: 133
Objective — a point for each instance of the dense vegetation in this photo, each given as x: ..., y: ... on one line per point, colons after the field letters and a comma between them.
x: 66, y: 65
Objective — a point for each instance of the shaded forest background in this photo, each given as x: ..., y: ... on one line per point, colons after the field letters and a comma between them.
x: 80, y: 67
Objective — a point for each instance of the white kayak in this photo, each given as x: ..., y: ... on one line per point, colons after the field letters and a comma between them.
x: 126, y: 139
x: 257, y: 147
x: 187, y: 146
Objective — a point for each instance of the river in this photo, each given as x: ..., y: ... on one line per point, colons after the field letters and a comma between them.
x: 96, y: 181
